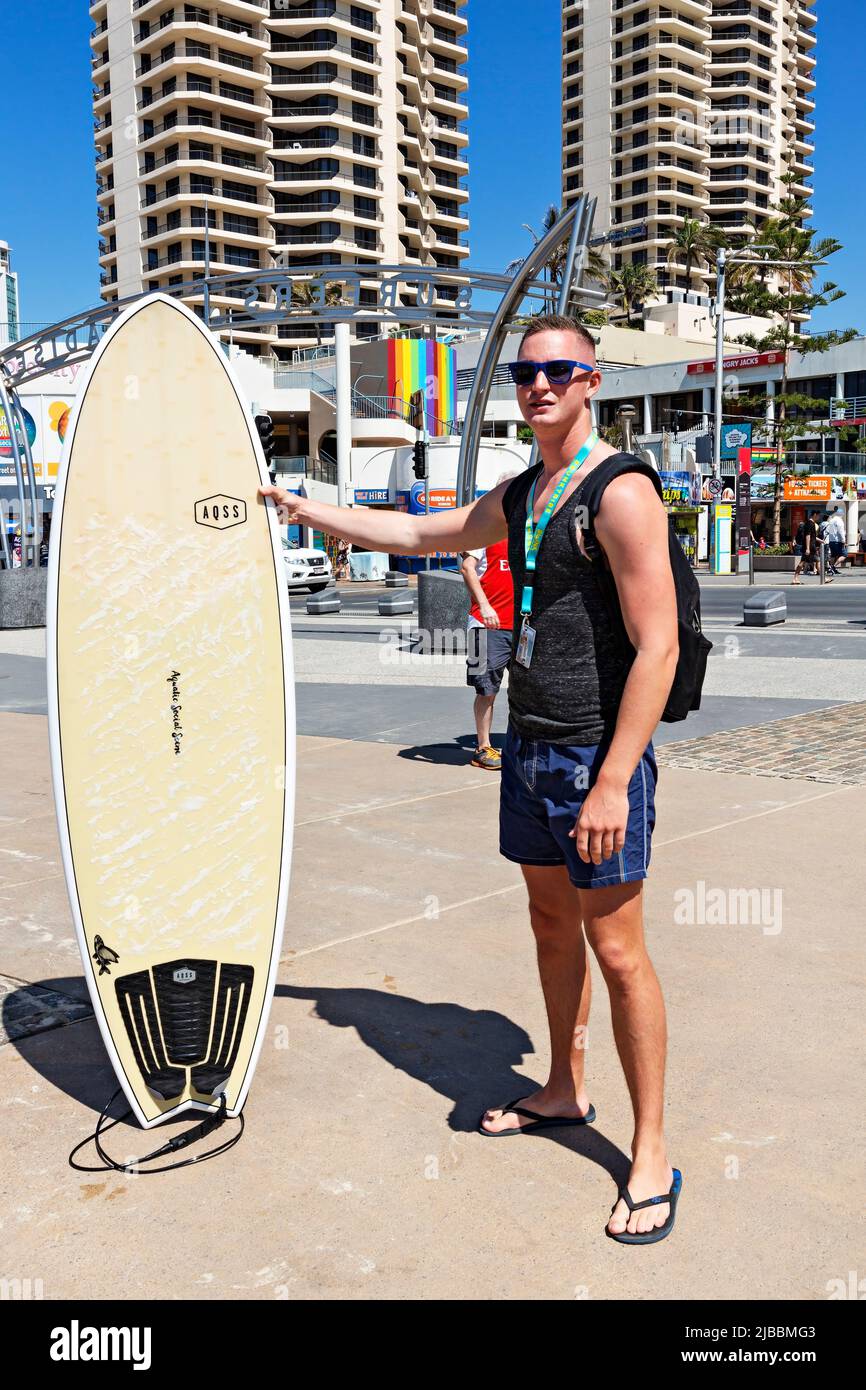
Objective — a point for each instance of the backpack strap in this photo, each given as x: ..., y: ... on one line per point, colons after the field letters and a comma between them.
x: 592, y: 491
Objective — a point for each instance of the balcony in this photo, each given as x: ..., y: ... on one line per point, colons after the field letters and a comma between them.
x: 370, y: 92
x: 661, y: 64
x: 326, y: 112
x: 318, y: 178
x: 854, y: 408
x: 289, y: 48
x: 227, y: 258
x: 342, y: 212
x: 205, y: 57
x: 210, y: 189
x: 314, y: 239
x: 341, y: 14
x: 696, y: 28
x: 657, y: 92
x: 228, y: 158
x: 195, y: 228
x: 202, y: 92
x: 299, y: 146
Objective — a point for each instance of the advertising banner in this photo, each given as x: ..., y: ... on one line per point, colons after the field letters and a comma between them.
x: 815, y: 489
x: 680, y: 488
x: 734, y: 438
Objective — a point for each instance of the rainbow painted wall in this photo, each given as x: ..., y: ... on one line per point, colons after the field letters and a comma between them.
x: 418, y: 364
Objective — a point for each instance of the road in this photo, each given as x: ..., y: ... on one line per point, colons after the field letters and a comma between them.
x: 722, y: 599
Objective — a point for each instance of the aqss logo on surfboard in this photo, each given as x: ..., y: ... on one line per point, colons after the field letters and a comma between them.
x: 220, y: 511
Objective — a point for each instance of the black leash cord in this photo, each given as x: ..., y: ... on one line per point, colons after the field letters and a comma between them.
x: 180, y: 1141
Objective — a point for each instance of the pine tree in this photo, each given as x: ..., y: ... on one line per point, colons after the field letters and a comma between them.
x: 788, y: 296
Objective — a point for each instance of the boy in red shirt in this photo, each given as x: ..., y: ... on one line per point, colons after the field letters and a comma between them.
x: 487, y: 576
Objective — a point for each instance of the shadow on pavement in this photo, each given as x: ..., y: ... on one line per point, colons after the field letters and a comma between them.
x: 456, y: 754
x: 473, y: 1057
x: 470, y: 1056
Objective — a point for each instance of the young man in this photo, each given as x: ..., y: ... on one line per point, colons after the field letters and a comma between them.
x: 487, y: 576
x: 809, y: 558
x: 834, y: 534
x: 578, y: 773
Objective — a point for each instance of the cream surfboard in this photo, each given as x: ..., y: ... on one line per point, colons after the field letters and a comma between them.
x: 171, y: 712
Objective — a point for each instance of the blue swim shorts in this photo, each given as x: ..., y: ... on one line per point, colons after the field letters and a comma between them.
x: 544, y: 786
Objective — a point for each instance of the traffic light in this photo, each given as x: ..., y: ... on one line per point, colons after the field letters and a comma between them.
x: 419, y: 458
x: 265, y: 427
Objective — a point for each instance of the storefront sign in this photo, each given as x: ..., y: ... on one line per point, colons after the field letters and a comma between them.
x: 679, y: 488
x: 365, y: 496
x: 817, y: 489
x: 738, y: 364
x: 440, y: 498
x: 734, y: 438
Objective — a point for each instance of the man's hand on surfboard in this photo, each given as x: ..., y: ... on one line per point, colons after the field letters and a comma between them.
x: 288, y: 504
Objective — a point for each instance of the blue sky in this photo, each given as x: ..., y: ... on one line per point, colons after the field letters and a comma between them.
x: 514, y: 128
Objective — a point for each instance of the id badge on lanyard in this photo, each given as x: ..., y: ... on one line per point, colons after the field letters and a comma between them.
x: 525, y: 643
x: 533, y: 537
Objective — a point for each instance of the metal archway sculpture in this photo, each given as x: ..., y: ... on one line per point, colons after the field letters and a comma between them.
x: 266, y: 297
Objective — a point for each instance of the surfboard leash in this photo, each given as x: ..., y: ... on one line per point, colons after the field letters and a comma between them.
x: 180, y: 1141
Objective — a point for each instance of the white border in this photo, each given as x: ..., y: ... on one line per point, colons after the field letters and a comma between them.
x: 54, y: 713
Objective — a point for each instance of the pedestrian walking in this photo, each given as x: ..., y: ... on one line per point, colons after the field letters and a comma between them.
x: 808, y: 560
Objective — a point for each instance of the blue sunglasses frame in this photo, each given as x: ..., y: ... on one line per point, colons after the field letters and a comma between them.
x: 524, y: 362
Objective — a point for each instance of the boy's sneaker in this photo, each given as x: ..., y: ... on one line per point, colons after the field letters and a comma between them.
x: 487, y: 757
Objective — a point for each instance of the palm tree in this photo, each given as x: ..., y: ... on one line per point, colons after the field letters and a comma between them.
x: 303, y: 295
x: 631, y: 285
x: 695, y: 242
x: 595, y: 267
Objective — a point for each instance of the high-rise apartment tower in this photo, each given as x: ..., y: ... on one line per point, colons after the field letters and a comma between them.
x: 319, y: 133
x: 694, y: 108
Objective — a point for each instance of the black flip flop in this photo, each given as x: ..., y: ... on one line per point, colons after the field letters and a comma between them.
x: 648, y: 1237
x: 539, y: 1121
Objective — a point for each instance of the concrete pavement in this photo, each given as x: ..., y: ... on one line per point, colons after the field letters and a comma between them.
x: 408, y: 1002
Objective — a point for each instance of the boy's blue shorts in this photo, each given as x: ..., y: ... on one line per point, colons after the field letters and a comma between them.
x: 544, y: 786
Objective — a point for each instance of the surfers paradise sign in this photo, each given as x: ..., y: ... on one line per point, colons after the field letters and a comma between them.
x: 269, y: 296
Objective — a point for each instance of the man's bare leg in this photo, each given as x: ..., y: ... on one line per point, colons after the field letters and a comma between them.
x: 483, y: 711
x: 554, y: 912
x: 613, y: 919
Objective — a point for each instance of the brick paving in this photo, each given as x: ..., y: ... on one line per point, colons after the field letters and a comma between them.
x: 826, y: 745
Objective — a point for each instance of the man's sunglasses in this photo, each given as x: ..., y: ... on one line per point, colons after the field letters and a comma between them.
x: 523, y: 373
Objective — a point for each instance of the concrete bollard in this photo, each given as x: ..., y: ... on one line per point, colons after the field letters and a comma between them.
x: 392, y: 604
x: 23, y: 596
x: 764, y: 608
x: 443, y: 608
x: 399, y: 581
x: 323, y: 603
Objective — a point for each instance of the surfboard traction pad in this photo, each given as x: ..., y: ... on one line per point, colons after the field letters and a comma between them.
x: 183, y: 1029
x: 178, y: 846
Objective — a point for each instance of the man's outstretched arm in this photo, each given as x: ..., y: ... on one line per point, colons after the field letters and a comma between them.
x: 480, y: 524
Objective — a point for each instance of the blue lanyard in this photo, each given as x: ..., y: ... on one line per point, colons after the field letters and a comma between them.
x: 534, y: 533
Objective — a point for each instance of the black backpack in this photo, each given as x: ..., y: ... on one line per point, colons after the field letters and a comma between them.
x: 685, y: 693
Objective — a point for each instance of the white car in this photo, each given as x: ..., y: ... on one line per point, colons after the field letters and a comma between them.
x: 306, y: 569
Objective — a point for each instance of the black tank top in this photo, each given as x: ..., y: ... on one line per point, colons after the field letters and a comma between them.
x: 573, y: 687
